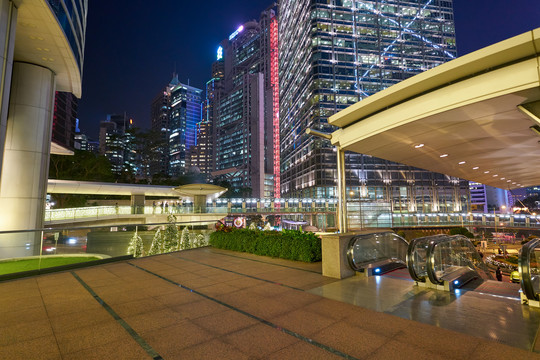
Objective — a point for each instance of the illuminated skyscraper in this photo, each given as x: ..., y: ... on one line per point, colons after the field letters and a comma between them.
x: 185, y: 113
x: 334, y: 53
x: 243, y: 101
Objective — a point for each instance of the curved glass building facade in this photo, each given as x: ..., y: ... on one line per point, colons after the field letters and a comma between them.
x: 71, y: 15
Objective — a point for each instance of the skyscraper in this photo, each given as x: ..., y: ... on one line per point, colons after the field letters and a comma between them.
x: 185, y: 113
x: 335, y: 53
x: 242, y: 103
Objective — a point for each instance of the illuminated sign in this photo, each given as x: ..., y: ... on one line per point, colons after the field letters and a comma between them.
x: 220, y: 53
x: 238, y: 31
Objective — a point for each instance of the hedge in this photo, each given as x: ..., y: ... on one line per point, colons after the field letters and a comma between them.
x: 287, y: 244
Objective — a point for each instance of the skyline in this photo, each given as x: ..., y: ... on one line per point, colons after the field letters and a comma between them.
x: 113, y: 82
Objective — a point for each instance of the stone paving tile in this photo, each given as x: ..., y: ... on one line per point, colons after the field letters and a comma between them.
x: 137, y: 307
x: 82, y: 318
x: 176, y: 297
x: 349, y: 339
x: 197, y: 309
x: 44, y: 347
x: 377, y: 323
x: 259, y: 340
x: 170, y: 340
x: 243, y: 283
x: 124, y: 349
x: 397, y: 350
x: 61, y: 308
x: 17, y: 316
x: 216, y: 289
x: 450, y: 344
x: 490, y: 350
x: 153, y: 320
x: 213, y: 349
x: 303, y: 351
x: 9, y: 303
x: 303, y: 322
x: 330, y: 308
x: 226, y: 322
x: 24, y: 331
x: 92, y: 336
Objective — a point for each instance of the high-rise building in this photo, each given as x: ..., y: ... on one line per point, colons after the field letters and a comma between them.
x: 116, y: 142
x: 333, y: 54
x: 159, y: 119
x: 64, y: 119
x: 185, y: 114
x: 243, y: 102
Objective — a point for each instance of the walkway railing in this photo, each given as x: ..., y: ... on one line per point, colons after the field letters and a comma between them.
x: 367, y: 218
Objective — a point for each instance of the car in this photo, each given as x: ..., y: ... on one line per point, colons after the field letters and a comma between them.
x: 514, y: 277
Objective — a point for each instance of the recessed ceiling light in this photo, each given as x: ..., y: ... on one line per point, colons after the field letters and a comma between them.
x: 508, y: 180
x: 503, y: 178
x: 461, y: 162
x: 514, y: 183
x: 444, y: 155
x: 486, y: 172
x: 419, y: 146
x: 476, y: 168
x: 495, y: 175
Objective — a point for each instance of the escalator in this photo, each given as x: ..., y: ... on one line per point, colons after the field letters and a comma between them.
x: 529, y: 271
x: 445, y: 261
x: 377, y: 253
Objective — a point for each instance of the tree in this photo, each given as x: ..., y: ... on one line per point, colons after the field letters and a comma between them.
x: 136, y: 246
x: 157, y: 244
x: 170, y: 235
x: 83, y: 166
x: 186, y: 243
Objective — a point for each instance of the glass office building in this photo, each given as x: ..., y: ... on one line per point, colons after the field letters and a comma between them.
x: 334, y: 53
x: 244, y: 103
x: 185, y: 114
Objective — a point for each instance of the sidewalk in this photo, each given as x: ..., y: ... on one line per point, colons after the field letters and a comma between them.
x: 210, y: 304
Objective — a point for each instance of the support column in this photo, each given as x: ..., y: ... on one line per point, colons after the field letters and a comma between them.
x: 8, y: 23
x: 342, y: 199
x: 137, y: 203
x: 25, y: 169
x: 199, y: 203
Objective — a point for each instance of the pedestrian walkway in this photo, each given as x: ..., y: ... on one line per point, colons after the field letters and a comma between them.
x: 214, y: 304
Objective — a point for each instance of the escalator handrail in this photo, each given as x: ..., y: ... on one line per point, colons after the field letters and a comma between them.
x: 410, y: 260
x: 410, y: 255
x: 350, y: 246
x: 525, y: 269
x: 430, y: 261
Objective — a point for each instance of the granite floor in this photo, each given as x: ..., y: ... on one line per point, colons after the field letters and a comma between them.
x: 209, y: 304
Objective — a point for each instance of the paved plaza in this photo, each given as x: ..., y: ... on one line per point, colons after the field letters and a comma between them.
x: 214, y: 304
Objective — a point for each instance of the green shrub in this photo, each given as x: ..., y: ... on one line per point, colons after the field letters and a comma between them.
x: 461, y: 231
x: 289, y: 244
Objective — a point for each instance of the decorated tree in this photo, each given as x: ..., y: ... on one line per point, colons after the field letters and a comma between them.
x: 186, y: 243
x: 157, y: 244
x: 135, y: 247
x: 170, y: 235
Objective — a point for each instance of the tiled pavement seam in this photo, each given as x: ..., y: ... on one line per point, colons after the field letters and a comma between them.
x: 261, y: 320
x: 402, y: 334
x: 142, y: 343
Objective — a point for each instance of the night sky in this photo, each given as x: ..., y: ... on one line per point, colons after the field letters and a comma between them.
x: 132, y: 46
